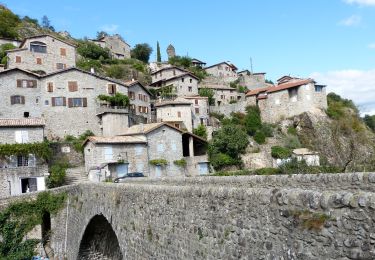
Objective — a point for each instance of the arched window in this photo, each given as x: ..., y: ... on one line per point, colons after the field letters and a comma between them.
x: 40, y: 47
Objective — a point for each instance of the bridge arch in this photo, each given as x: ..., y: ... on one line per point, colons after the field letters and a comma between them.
x: 99, y: 241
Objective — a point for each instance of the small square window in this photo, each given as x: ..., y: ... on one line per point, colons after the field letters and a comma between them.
x: 26, y: 114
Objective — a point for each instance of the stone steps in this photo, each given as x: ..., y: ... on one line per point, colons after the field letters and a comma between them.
x: 75, y: 176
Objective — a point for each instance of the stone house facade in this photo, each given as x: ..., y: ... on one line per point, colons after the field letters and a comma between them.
x: 139, y: 145
x: 224, y: 94
x: 114, y: 156
x: 140, y: 98
x: 176, y: 112
x: 292, y: 97
x: 118, y: 48
x: 252, y: 80
x: 200, y: 110
x: 42, y: 54
x: 181, y: 85
x: 67, y: 100
x: 223, y: 70
x: 167, y: 72
x: 21, y: 173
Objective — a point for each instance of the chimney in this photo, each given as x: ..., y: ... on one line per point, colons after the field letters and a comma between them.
x: 92, y: 70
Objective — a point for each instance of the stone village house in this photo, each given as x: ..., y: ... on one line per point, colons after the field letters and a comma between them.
x: 42, y: 54
x: 224, y: 70
x: 21, y: 173
x: 133, y: 151
x: 118, y: 48
x: 292, y: 96
x: 140, y: 98
x: 67, y: 100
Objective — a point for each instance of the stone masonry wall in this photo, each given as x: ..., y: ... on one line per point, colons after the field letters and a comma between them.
x: 230, y: 219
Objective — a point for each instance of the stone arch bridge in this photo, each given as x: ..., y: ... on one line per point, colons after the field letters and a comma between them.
x: 259, y: 217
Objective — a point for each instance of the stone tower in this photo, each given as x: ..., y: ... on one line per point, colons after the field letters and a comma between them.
x: 171, y: 51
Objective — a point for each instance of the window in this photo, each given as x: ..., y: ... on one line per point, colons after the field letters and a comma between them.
x: 197, y: 110
x: 191, y: 80
x: 174, y: 72
x: 72, y: 86
x: 108, y: 154
x: 40, y: 47
x: 131, y: 95
x: 17, y: 100
x: 21, y: 136
x: 196, y: 101
x: 178, y: 114
x: 58, y: 101
x: 77, y: 102
x: 24, y: 83
x: 22, y: 160
x: 26, y: 114
x: 140, y: 96
x: 18, y: 59
x: 111, y: 89
x: 62, y: 51
x: 50, y: 87
x: 182, y: 79
x: 144, y: 98
x: 190, y: 89
x: 318, y: 88
x: 60, y: 66
x: 46, y: 102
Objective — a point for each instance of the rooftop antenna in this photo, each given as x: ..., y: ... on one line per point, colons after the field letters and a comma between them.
x: 251, y: 65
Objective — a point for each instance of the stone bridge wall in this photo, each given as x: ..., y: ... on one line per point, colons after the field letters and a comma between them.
x: 227, y: 217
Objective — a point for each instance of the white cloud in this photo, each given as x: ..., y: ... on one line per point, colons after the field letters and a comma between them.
x: 361, y: 2
x: 109, y: 28
x: 371, y: 45
x: 351, y: 21
x: 357, y: 85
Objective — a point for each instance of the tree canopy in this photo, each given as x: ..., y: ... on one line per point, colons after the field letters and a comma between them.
x: 142, y: 52
x: 8, y: 23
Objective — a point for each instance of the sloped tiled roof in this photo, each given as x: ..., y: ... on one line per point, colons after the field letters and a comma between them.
x: 173, y: 102
x: 280, y: 87
x: 175, y: 77
x: 22, y: 122
x: 117, y: 139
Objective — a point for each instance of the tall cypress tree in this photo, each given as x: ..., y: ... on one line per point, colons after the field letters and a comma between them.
x: 158, y: 54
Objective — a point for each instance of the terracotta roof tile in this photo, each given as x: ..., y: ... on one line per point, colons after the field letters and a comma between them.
x: 280, y: 87
x: 117, y: 139
x: 12, y: 122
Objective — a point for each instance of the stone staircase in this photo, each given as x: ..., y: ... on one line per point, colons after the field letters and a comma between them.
x: 75, y: 176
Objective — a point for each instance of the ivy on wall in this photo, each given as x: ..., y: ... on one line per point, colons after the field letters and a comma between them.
x: 41, y: 150
x: 20, y: 218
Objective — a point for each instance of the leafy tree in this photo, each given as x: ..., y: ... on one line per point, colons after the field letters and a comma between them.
x: 30, y: 20
x: 101, y: 34
x: 92, y: 51
x: 180, y: 61
x: 46, y: 23
x: 230, y: 140
x: 370, y: 121
x: 158, y: 54
x: 200, y: 131
x: 8, y: 23
x: 3, y: 49
x: 207, y: 92
x: 253, y: 121
x: 260, y: 137
x: 142, y: 52
x: 269, y: 81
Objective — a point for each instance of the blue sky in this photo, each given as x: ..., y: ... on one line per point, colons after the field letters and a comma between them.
x: 330, y: 40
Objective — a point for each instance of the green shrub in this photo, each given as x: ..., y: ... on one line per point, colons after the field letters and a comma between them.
x: 3, y: 48
x: 233, y: 101
x: 78, y: 142
x: 57, y: 176
x: 267, y: 171
x: 201, y: 131
x: 209, y: 93
x: 292, y: 130
x: 280, y: 152
x: 159, y: 162
x: 218, y: 116
x: 118, y: 99
x: 259, y: 137
x: 180, y: 163
x: 220, y: 160
x: 252, y: 120
x: 267, y: 129
x: 91, y: 50
x: 8, y: 23
x: 87, y: 64
x: 292, y: 142
x: 232, y: 173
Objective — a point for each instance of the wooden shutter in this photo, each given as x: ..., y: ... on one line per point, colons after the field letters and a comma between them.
x: 18, y: 59
x: 64, y: 101
x: 50, y: 87
x: 31, y: 83
x: 53, y: 101
x: 22, y: 100
x: 110, y: 89
x: 70, y: 102
x: 84, y: 102
x: 62, y: 51
x: 147, y: 110
x: 19, y: 83
x: 38, y: 61
x: 72, y: 85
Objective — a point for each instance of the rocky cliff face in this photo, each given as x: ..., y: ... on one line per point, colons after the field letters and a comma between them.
x: 353, y: 149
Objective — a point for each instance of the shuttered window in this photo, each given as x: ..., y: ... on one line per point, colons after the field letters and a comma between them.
x: 60, y: 66
x: 39, y: 61
x: 178, y: 114
x: 58, y: 101
x: 18, y: 59
x: 62, y: 51
x: 50, y: 87
x: 77, y: 102
x: 17, y: 100
x: 24, y: 83
x: 131, y: 95
x: 197, y: 110
x: 72, y: 86
x: 111, y: 89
